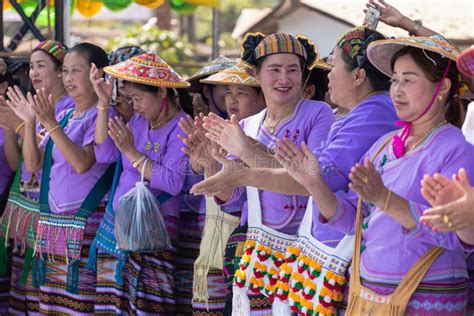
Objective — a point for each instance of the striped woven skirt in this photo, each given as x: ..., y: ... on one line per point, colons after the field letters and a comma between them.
x: 111, y: 298
x: 470, y: 303
x: 54, y: 299
x: 217, y: 295
x: 148, y: 285
x: 429, y: 299
x: 24, y: 298
x: 5, y: 285
x: 189, y: 239
x: 17, y: 235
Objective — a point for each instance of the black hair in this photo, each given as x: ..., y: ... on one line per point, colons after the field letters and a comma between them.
x: 319, y: 78
x: 6, y: 77
x: 185, y: 101
x: 93, y: 54
x: 377, y: 79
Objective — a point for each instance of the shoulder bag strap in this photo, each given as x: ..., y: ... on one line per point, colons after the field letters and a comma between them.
x: 47, y: 161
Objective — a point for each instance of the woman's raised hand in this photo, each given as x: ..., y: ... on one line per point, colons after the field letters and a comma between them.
x: 226, y: 133
x: 300, y: 163
x: 103, y: 88
x: 19, y: 104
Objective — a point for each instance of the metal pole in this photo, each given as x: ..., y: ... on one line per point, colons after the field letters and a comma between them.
x: 215, y: 33
x: 30, y: 23
x: 24, y: 28
x: 67, y: 22
x: 59, y: 21
x: 2, y: 47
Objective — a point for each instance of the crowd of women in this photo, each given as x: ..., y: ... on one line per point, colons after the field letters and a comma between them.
x: 286, y: 183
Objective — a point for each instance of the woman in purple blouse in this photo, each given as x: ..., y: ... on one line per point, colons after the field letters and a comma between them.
x: 22, y: 213
x: 424, y: 89
x: 72, y: 196
x: 142, y: 282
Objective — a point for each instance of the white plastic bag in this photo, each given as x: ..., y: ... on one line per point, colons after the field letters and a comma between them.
x: 468, y: 126
x: 139, y: 224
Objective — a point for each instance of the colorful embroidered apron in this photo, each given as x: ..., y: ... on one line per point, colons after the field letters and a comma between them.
x: 312, y: 279
x: 264, y: 253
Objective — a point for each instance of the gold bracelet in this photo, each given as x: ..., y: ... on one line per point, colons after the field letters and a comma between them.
x: 17, y: 129
x: 54, y: 129
x: 387, y: 200
x: 102, y: 107
x: 137, y: 162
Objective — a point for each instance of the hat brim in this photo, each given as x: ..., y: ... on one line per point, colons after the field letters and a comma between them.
x: 380, y: 53
x: 231, y: 77
x: 230, y: 82
x: 147, y: 81
x: 320, y: 65
x: 195, y: 81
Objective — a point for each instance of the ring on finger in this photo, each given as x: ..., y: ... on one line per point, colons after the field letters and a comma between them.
x: 446, y: 219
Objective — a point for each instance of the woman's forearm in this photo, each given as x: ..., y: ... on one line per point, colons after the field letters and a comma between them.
x: 11, y: 149
x: 274, y: 179
x: 409, y: 25
x: 324, y: 198
x: 398, y: 208
x: 101, y: 128
x: 257, y: 157
x: 31, y: 153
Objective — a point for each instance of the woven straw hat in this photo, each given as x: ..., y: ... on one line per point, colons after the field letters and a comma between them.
x: 236, y: 75
x: 147, y: 68
x: 380, y: 53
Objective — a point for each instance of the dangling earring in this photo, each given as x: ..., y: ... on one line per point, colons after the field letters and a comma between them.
x: 59, y: 75
x: 440, y: 98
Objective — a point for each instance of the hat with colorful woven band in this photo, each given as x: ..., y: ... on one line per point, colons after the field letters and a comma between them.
x: 123, y: 53
x: 466, y: 62
x: 258, y: 45
x: 380, y: 53
x: 147, y: 68
x: 213, y: 67
x: 53, y: 48
x: 352, y: 41
x: 236, y: 75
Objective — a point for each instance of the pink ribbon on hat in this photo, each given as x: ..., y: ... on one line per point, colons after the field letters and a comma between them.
x: 399, y: 141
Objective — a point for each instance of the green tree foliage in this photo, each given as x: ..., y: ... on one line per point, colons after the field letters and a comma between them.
x: 169, y: 46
